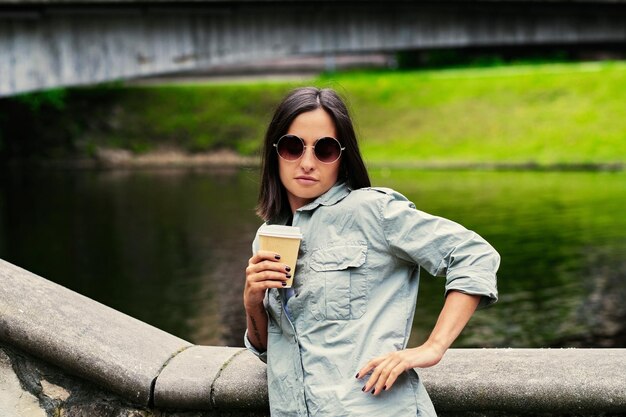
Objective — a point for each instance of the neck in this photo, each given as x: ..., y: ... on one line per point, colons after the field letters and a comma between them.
x: 296, y: 202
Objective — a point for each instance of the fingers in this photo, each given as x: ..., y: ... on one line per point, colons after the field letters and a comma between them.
x: 265, y: 260
x: 268, y: 278
x: 373, y: 366
x: 369, y: 366
x: 264, y: 255
x: 267, y: 266
x: 266, y: 271
x: 385, y: 372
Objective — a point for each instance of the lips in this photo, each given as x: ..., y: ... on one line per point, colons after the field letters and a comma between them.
x: 306, y: 180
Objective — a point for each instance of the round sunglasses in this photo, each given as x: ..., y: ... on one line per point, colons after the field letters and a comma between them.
x: 291, y: 148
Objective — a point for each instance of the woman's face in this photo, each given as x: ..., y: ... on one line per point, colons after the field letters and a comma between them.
x: 307, y: 178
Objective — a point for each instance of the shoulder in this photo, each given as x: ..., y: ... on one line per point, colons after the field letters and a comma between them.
x: 380, y: 195
x: 374, y: 201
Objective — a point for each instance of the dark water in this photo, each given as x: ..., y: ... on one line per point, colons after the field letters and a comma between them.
x: 170, y: 247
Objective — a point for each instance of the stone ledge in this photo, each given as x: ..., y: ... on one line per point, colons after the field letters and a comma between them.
x: 213, y: 377
x: 82, y: 336
x: 187, y: 381
x: 242, y: 384
x: 551, y: 381
x: 30, y: 387
x: 76, y: 335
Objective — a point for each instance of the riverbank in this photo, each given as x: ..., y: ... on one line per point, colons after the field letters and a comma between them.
x: 547, y: 116
x: 115, y: 158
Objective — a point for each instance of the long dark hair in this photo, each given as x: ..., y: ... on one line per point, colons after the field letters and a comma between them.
x: 273, y: 201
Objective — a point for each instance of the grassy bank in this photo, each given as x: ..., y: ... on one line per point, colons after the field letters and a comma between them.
x: 573, y: 113
x: 544, y: 114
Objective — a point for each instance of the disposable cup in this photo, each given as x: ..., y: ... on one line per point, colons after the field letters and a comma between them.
x: 285, y: 241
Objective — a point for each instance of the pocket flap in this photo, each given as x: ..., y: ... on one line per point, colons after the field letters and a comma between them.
x: 337, y: 258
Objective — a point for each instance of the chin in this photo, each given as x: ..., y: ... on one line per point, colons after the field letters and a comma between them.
x: 309, y: 194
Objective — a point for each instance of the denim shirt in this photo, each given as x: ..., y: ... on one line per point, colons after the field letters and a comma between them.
x: 354, y: 297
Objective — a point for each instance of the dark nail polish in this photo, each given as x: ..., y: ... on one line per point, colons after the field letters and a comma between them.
x: 288, y: 275
x: 373, y: 391
x: 385, y: 388
x: 276, y: 257
x: 284, y: 283
x: 287, y: 269
x: 363, y: 389
x: 357, y: 376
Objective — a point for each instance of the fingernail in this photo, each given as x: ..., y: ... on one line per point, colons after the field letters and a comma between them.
x: 385, y: 388
x: 373, y: 391
x: 284, y: 283
x: 287, y: 269
x: 357, y: 376
x: 277, y: 256
x: 288, y: 275
x: 363, y: 389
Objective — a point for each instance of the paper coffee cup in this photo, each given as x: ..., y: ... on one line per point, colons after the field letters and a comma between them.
x: 285, y: 241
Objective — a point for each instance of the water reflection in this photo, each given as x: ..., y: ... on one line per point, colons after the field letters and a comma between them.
x: 170, y: 246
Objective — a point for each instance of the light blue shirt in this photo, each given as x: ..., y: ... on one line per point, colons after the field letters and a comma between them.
x: 354, y: 297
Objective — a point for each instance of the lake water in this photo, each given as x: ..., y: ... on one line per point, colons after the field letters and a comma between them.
x: 169, y: 247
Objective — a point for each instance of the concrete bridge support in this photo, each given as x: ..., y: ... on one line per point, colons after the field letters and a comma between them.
x: 45, y: 44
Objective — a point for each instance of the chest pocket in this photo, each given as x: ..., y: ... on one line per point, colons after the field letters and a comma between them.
x: 345, y: 289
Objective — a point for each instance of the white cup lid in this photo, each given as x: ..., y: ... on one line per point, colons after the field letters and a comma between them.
x: 275, y: 230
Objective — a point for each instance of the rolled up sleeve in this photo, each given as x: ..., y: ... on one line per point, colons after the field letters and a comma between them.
x: 255, y: 351
x: 442, y: 247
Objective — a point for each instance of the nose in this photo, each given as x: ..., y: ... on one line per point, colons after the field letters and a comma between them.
x: 308, y: 161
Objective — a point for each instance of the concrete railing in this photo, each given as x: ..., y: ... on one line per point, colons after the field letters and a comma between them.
x: 153, y: 369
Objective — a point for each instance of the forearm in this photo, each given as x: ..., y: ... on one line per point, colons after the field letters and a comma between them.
x: 456, y: 312
x: 256, y: 319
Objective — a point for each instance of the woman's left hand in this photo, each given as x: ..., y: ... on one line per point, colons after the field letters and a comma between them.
x: 386, y: 369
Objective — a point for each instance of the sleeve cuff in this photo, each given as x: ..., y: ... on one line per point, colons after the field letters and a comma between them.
x: 260, y: 355
x: 474, y: 281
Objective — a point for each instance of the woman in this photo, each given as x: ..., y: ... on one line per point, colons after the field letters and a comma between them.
x: 351, y: 308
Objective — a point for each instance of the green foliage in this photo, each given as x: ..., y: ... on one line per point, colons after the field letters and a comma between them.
x: 481, y: 57
x: 53, y: 98
x: 36, y: 124
x: 541, y: 113
x: 194, y: 118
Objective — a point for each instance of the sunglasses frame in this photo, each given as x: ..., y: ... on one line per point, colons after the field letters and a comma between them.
x: 341, y: 148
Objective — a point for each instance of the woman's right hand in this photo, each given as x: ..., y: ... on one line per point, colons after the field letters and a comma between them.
x: 264, y: 271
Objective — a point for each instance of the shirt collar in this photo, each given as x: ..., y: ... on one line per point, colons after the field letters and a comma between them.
x: 337, y: 193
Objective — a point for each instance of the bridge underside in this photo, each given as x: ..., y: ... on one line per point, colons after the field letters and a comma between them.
x: 51, y: 45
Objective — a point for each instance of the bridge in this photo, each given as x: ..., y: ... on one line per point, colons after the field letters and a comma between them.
x: 55, y: 43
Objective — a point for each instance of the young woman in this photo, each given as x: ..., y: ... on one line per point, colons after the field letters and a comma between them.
x: 335, y: 343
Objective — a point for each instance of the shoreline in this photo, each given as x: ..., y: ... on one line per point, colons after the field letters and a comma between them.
x: 114, y: 159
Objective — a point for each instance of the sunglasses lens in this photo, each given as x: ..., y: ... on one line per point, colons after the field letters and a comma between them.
x: 327, y: 150
x: 290, y: 147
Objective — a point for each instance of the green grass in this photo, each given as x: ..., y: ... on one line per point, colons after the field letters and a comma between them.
x: 542, y: 113
x: 550, y: 113
x: 194, y: 118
